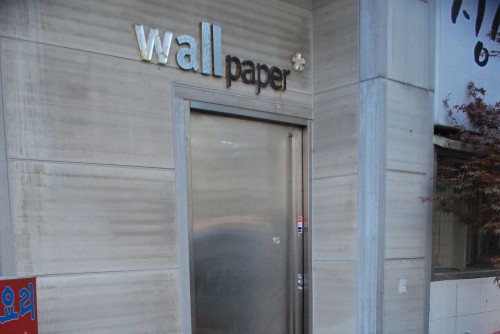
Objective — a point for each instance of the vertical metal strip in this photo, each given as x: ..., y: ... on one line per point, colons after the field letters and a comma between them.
x: 297, y: 239
x: 308, y: 218
x: 292, y: 240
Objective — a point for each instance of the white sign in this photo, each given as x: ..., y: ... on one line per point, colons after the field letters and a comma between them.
x: 463, y: 52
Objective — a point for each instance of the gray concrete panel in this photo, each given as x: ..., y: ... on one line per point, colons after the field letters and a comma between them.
x: 373, y: 39
x: 335, y: 40
x: 6, y: 243
x: 263, y: 31
x: 335, y: 132
x: 334, y: 297
x: 405, y: 215
x: 65, y: 105
x: 404, y: 312
x: 305, y: 4
x: 372, y: 204
x: 335, y: 218
x: 408, y: 42
x: 408, y: 117
x: 110, y: 303
x: 72, y: 218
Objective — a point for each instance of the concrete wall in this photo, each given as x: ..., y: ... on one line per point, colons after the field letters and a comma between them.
x: 468, y: 305
x: 372, y: 160
x: 335, y: 165
x: 90, y: 205
x: 87, y: 165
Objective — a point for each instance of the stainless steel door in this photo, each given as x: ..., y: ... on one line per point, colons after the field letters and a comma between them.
x: 246, y: 194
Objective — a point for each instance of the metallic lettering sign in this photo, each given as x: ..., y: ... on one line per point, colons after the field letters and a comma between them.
x: 259, y: 75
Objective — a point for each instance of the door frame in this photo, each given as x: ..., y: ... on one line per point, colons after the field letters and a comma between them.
x: 187, y: 98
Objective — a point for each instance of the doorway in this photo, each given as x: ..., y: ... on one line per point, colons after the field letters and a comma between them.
x: 246, y: 235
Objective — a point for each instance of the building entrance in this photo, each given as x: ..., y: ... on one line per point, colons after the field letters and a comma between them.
x: 246, y: 181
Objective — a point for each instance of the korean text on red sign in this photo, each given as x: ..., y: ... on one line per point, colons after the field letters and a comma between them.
x: 18, y: 306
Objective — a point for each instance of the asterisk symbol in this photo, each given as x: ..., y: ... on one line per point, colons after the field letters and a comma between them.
x: 298, y: 62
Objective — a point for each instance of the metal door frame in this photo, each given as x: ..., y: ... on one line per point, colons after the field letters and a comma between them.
x: 186, y: 99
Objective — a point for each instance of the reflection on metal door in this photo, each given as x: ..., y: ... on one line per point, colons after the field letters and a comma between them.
x: 246, y: 180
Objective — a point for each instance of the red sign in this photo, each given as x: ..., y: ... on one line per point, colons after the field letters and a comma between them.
x: 18, y: 306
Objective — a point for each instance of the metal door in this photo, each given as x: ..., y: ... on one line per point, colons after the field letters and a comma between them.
x: 246, y: 180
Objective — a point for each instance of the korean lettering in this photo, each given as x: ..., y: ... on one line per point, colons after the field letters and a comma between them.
x: 8, y: 297
x: 27, y: 304
x: 481, y: 54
